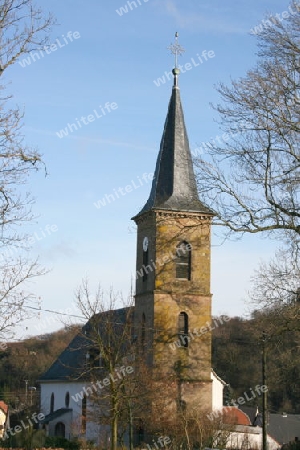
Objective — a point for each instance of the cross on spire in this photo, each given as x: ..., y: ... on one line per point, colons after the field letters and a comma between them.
x: 176, y: 49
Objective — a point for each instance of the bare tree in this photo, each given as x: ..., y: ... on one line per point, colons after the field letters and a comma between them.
x: 189, y: 429
x: 251, y: 177
x: 276, y: 295
x: 110, y: 351
x: 128, y: 390
x: 23, y: 29
x: 276, y: 284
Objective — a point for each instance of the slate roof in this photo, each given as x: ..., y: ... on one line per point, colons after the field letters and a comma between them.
x: 283, y: 428
x: 71, y: 363
x: 174, y: 185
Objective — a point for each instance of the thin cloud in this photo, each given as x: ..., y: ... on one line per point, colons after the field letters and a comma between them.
x: 88, y: 140
x: 57, y: 251
x: 203, y: 21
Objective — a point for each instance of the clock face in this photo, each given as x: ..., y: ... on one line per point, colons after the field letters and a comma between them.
x: 145, y: 244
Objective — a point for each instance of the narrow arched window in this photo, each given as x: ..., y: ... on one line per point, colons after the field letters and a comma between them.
x: 183, y: 329
x: 67, y: 400
x: 52, y: 403
x: 182, y: 405
x: 141, y: 432
x: 143, y: 332
x: 183, y: 261
x: 145, y: 264
x: 60, y: 430
x: 83, y: 414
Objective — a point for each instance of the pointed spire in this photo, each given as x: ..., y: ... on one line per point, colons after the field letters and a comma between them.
x: 174, y: 185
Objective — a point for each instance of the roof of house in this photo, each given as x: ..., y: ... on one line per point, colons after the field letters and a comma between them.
x: 174, y: 185
x: 283, y: 427
x: 234, y: 416
x: 72, y: 362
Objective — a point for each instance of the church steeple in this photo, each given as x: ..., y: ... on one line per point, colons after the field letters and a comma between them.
x: 173, y: 267
x: 174, y: 185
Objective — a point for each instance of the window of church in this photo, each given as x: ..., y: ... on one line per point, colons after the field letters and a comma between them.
x: 145, y: 264
x: 83, y: 415
x: 183, y: 329
x: 143, y: 332
x: 52, y: 403
x: 182, y: 405
x: 141, y: 432
x: 60, y: 430
x: 67, y: 399
x: 183, y: 261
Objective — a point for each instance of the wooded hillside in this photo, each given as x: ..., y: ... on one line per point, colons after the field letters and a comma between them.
x: 237, y: 358
x: 27, y: 360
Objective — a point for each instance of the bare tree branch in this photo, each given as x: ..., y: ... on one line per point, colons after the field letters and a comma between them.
x: 23, y: 28
x: 252, y: 180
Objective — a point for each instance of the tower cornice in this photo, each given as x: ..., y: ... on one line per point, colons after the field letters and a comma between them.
x: 141, y: 217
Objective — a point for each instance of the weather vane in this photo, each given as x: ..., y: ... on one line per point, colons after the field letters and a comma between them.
x: 176, y: 49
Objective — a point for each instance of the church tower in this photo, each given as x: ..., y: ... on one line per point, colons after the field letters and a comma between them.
x: 173, y: 298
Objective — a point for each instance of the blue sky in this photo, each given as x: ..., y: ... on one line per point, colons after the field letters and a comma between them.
x: 114, y: 59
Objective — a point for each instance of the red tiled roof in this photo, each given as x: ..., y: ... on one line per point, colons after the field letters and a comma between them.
x: 4, y: 406
x: 234, y: 416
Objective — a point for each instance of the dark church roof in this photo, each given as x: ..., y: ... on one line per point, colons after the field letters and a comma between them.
x: 174, y: 185
x: 71, y: 363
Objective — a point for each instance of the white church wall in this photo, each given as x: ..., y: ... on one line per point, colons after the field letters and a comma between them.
x: 99, y: 434
x: 217, y: 392
x: 60, y: 390
x: 72, y: 421
x: 251, y: 437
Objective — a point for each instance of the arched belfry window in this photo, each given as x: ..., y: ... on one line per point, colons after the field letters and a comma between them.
x: 52, y: 403
x: 145, y: 264
x: 183, y: 261
x: 183, y: 329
